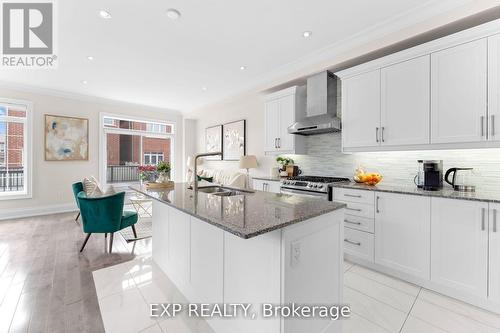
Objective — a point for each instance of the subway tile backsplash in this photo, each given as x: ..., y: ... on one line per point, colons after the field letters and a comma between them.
x: 324, y: 157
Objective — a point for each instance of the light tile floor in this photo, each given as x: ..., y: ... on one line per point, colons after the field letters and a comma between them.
x: 379, y: 303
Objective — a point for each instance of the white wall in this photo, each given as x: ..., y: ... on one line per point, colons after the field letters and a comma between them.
x: 52, y: 180
x: 249, y: 107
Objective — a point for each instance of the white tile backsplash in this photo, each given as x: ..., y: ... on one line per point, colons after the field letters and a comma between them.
x: 324, y: 157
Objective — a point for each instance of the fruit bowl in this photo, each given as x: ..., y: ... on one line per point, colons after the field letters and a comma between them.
x: 371, y: 178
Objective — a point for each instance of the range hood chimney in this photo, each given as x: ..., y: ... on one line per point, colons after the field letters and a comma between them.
x: 321, y: 113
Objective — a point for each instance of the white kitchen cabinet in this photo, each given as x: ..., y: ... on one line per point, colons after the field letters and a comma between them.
x: 361, y: 110
x: 206, y: 262
x: 459, y: 245
x: 272, y: 125
x: 282, y: 109
x: 273, y: 186
x: 494, y: 253
x: 494, y: 88
x: 402, y: 233
x: 178, y: 246
x: 405, y: 103
x: 459, y: 93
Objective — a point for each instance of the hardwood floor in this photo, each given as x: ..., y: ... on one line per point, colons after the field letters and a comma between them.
x: 46, y: 285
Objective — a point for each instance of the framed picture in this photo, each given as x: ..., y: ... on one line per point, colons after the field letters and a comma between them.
x: 234, y: 141
x: 213, y: 141
x: 66, y: 138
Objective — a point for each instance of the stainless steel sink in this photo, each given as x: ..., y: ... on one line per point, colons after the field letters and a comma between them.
x: 223, y: 191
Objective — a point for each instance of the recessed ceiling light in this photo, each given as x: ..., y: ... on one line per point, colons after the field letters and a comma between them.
x: 242, y: 68
x: 307, y: 34
x: 90, y: 58
x: 84, y: 82
x: 173, y: 14
x: 204, y: 88
x: 104, y: 14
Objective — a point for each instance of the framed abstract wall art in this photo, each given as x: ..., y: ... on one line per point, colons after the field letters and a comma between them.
x: 213, y: 141
x: 66, y: 138
x: 234, y: 141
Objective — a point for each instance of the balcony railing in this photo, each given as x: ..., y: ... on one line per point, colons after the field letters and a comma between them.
x: 122, y: 173
x: 11, y: 180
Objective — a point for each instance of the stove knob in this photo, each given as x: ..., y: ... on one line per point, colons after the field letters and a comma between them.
x: 315, y: 185
x: 321, y: 186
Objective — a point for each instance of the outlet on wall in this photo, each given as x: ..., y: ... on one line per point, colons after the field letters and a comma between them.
x: 295, y: 254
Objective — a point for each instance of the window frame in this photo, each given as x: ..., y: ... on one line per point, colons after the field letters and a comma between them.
x: 103, y: 130
x: 27, y: 192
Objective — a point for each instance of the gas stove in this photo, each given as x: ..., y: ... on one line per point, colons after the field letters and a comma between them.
x: 310, y: 183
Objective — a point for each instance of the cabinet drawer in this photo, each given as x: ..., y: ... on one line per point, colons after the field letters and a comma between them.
x: 359, y: 244
x: 358, y: 209
x: 359, y: 223
x: 359, y: 196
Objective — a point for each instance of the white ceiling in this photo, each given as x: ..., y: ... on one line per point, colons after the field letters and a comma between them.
x: 143, y: 57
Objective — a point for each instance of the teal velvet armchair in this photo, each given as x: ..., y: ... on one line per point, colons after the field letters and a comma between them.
x: 77, y: 188
x: 105, y: 215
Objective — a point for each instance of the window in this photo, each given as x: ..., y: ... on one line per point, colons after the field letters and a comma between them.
x: 153, y: 158
x: 15, y: 171
x: 130, y: 143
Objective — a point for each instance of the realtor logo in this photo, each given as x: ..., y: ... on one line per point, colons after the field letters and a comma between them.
x: 28, y: 34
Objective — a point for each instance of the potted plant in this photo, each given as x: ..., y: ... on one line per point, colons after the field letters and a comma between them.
x: 147, y: 173
x: 163, y: 169
x: 284, y: 162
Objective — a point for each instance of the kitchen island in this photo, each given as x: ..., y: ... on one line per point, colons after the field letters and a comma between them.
x: 252, y: 247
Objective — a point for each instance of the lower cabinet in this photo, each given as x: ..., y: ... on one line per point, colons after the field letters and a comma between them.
x: 494, y: 257
x: 402, y: 233
x: 459, y: 245
x: 273, y: 186
x: 358, y: 244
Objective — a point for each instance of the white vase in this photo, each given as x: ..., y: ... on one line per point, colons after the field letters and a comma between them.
x: 163, y: 178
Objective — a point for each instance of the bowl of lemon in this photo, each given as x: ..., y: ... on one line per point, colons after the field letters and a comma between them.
x: 368, y: 178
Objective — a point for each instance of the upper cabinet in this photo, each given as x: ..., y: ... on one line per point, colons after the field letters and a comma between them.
x: 282, y: 109
x: 385, y: 107
x: 361, y: 110
x: 494, y: 88
x: 405, y: 103
x: 459, y: 93
x: 444, y: 94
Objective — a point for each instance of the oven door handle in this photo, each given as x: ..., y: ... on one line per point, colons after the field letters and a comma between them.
x: 304, y: 193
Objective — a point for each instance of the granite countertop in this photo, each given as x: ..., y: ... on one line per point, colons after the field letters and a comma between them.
x: 246, y: 215
x: 269, y: 178
x: 445, y: 192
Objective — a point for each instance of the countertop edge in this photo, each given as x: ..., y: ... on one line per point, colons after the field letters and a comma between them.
x: 433, y: 194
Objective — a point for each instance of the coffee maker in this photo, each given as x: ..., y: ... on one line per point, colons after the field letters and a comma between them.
x: 433, y: 175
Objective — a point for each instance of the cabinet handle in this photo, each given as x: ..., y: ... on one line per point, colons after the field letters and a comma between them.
x: 482, y: 125
x: 352, y: 195
x: 376, y: 204
x: 354, y: 209
x: 383, y: 140
x: 492, y: 125
x: 275, y: 143
x: 494, y: 220
x: 483, y: 224
x: 351, y: 242
x: 356, y: 223
x: 376, y: 134
x: 279, y: 142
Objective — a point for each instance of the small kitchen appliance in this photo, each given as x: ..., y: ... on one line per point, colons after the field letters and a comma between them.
x: 461, y: 180
x: 419, y: 177
x: 433, y: 175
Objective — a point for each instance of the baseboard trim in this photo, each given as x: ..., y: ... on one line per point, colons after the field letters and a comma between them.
x: 15, y: 213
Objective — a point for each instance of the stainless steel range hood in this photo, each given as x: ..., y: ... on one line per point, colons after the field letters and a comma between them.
x: 321, y: 113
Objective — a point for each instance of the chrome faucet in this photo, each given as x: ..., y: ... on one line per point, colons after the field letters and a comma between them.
x: 195, y: 181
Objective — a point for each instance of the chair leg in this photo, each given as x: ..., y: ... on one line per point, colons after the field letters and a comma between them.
x: 106, y: 235
x: 85, y: 241
x: 77, y: 217
x: 111, y: 241
x: 133, y: 230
